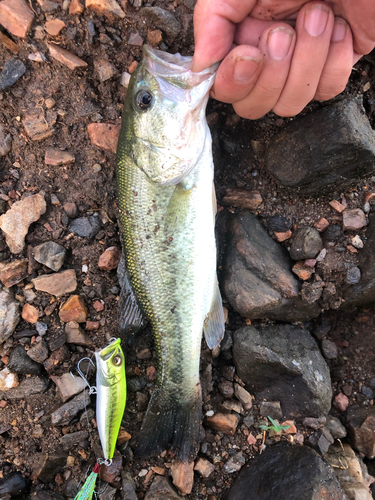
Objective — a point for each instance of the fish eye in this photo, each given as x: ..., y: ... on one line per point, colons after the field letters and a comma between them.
x: 144, y: 99
x: 117, y: 360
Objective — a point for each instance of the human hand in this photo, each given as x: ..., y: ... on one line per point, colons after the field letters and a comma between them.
x: 268, y: 65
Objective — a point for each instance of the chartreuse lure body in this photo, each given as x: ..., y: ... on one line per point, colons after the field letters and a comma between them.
x: 167, y: 214
x: 110, y: 405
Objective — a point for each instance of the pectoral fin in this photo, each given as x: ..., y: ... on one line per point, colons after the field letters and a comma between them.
x: 214, y: 325
x: 130, y: 316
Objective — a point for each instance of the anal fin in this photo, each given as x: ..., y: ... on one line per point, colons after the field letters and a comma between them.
x: 214, y: 325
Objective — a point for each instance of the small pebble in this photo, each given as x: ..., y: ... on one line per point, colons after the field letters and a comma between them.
x: 353, y: 275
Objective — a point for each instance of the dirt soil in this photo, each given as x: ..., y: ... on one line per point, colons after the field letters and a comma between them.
x: 81, y: 98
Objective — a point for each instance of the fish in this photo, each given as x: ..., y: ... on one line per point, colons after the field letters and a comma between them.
x: 110, y: 395
x: 166, y: 210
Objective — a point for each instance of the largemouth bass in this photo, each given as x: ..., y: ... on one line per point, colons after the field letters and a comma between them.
x: 110, y: 395
x: 167, y: 214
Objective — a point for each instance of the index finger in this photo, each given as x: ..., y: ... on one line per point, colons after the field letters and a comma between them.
x: 214, y: 25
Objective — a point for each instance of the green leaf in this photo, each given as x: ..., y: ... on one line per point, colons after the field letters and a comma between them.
x: 264, y: 427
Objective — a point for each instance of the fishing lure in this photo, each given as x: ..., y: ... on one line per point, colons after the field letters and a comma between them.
x: 110, y: 393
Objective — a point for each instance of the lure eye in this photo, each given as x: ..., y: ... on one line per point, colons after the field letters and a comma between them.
x: 144, y: 99
x: 117, y: 360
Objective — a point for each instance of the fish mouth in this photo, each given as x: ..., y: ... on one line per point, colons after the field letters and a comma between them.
x: 107, y: 351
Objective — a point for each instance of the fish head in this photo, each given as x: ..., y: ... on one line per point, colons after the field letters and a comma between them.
x: 164, y: 115
x: 110, y: 364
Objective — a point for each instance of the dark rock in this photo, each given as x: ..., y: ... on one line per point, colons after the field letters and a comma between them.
x: 321, y: 440
x: 234, y: 463
x: 48, y: 465
x: 71, y: 210
x: 71, y: 488
x: 5, y: 142
x: 128, y: 486
x: 64, y: 414
x: 44, y: 494
x: 13, y: 70
x: 161, y: 490
x: 86, y: 227
x: 257, y: 278
x: 363, y: 292
x: 226, y: 388
x: 163, y: 20
x: 335, y: 427
x: 341, y: 149
x: 353, y: 275
x: 50, y: 254
x: 136, y: 384
x: 329, y: 349
x: 38, y: 352
x: 279, y: 224
x: 314, y: 423
x: 361, y: 429
x: 69, y: 440
x: 110, y: 472
x: 286, y: 472
x: 366, y: 391
x: 271, y: 409
x: 332, y: 234
x: 9, y: 314
x: 14, y: 484
x: 20, y: 362
x: 286, y: 365
x: 28, y: 386
x: 306, y: 243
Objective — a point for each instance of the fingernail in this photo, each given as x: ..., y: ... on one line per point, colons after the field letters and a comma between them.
x: 339, y: 30
x: 316, y: 19
x: 245, y: 68
x: 279, y: 41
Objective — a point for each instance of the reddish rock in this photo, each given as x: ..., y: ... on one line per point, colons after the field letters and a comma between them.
x: 104, y: 135
x: 57, y: 157
x: 242, y: 198
x: 56, y: 358
x: 30, y: 313
x: 68, y: 385
x: 123, y: 436
x: 14, y: 272
x: 73, y: 309
x: 243, y: 396
x: 158, y: 470
x: 65, y: 57
x: 16, y: 16
x: 353, y: 219
x: 105, y: 69
x: 110, y: 472
x: 251, y: 439
x: 341, y: 402
x: 8, y: 43
x: 369, y: 197
x: 92, y: 325
x: 204, y: 467
x: 38, y: 127
x: 133, y: 67
x: 15, y: 222
x: 302, y: 271
x: 336, y: 205
x: 151, y: 372
x: 321, y: 225
x: 54, y: 26
x: 98, y: 306
x: 135, y: 39
x: 75, y: 7
x: 58, y: 283
x: 154, y: 37
x: 109, y: 259
x: 226, y: 423
x: 105, y: 7
x: 291, y: 429
x: 183, y: 476
x: 283, y: 236
x: 361, y: 427
x: 71, y: 209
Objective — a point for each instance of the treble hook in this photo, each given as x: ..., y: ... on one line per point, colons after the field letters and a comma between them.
x: 92, y: 388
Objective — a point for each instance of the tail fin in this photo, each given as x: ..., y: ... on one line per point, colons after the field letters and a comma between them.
x: 169, y: 422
